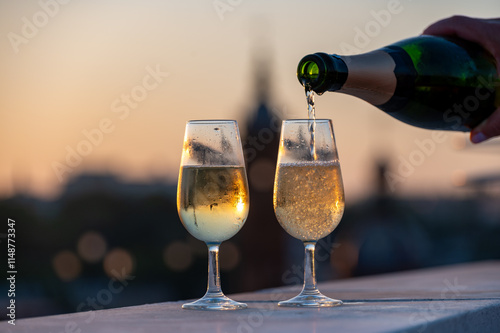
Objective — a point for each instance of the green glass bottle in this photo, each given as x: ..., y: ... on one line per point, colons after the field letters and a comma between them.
x: 426, y: 81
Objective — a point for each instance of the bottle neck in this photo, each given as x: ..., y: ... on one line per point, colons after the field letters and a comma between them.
x: 369, y: 76
x: 322, y: 72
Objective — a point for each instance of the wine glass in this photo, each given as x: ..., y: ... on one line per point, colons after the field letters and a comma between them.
x: 212, y: 196
x: 308, y: 195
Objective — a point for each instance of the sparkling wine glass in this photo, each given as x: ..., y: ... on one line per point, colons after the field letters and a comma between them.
x: 212, y: 196
x: 308, y: 195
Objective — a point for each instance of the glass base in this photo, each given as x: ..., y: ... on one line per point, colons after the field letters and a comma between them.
x: 219, y: 302
x: 311, y: 300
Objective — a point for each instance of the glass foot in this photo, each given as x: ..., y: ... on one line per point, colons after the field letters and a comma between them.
x: 312, y: 300
x: 219, y: 302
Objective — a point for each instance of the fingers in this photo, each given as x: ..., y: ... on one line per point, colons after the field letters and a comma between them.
x: 445, y: 26
x: 460, y: 26
x: 485, y: 32
x: 487, y: 129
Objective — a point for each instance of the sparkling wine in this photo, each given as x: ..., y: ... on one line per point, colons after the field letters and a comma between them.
x: 213, y: 201
x: 310, y: 201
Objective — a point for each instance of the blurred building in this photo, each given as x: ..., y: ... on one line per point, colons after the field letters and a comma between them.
x: 384, y: 233
x: 262, y: 238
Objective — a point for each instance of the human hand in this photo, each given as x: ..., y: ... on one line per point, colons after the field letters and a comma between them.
x: 485, y: 32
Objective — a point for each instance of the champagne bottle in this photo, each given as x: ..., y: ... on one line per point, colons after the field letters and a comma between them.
x: 426, y: 81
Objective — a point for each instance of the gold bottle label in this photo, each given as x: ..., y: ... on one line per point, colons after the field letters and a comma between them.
x: 370, y: 77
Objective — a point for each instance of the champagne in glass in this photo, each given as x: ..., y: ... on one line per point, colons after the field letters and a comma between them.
x: 213, y: 201
x: 212, y: 196
x: 310, y: 200
x: 308, y: 195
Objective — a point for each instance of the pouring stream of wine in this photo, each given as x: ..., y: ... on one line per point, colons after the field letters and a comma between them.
x: 311, y: 110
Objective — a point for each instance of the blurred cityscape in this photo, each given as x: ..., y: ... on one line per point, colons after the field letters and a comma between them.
x: 107, y: 243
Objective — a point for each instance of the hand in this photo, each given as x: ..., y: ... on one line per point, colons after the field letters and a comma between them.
x: 485, y: 32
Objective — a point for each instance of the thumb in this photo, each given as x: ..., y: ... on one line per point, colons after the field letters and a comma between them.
x: 487, y: 129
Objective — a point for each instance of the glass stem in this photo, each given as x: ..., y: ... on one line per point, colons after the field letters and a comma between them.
x: 213, y: 289
x: 309, y: 269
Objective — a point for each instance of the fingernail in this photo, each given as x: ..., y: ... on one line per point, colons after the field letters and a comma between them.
x: 478, y: 137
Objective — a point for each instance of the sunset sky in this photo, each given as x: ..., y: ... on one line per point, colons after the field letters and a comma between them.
x: 117, y: 80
